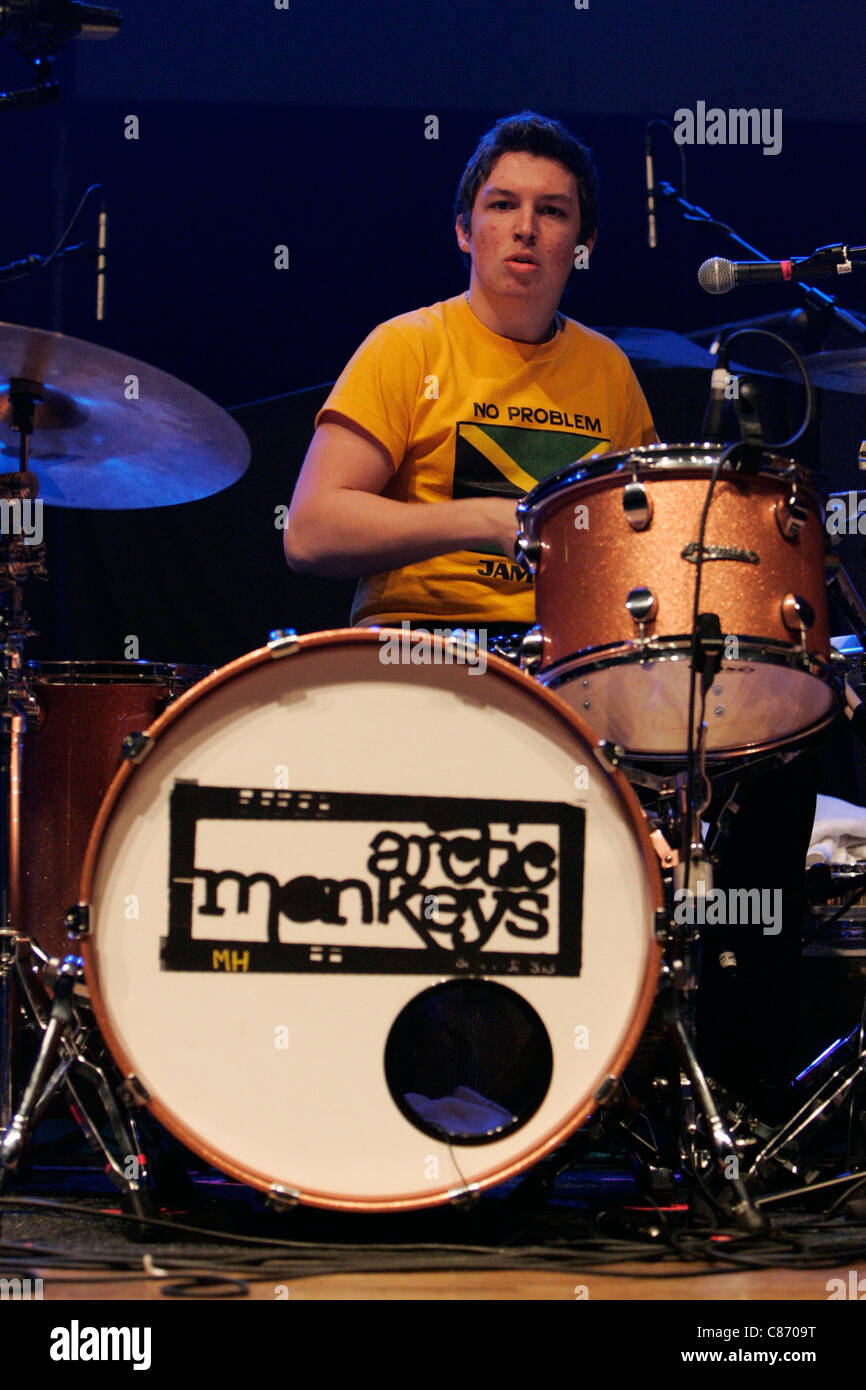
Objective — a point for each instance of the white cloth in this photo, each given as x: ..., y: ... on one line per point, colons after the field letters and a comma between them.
x: 838, y: 834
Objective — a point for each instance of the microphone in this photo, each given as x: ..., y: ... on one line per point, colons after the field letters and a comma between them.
x: 718, y: 276
x: 650, y: 189
x: 101, y: 262
x: 718, y: 382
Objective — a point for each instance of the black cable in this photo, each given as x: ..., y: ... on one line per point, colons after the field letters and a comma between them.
x: 777, y: 338
x: 699, y: 567
x: 43, y: 262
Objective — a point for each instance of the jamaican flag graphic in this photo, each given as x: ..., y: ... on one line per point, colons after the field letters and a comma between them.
x: 508, y: 460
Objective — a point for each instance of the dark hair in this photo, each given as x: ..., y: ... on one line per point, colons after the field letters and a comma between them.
x: 529, y: 133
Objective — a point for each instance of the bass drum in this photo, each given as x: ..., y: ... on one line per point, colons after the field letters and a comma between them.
x: 368, y: 924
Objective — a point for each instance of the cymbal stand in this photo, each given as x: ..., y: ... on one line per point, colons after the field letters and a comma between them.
x: 65, y: 1027
x: 67, y: 1030
x: 785, y: 1148
x: 18, y: 707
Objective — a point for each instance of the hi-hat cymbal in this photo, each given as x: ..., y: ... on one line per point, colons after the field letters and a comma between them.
x: 112, y: 432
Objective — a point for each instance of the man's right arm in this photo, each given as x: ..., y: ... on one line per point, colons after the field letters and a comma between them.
x: 340, y: 525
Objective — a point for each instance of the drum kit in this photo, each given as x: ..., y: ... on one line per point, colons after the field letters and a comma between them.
x: 374, y: 935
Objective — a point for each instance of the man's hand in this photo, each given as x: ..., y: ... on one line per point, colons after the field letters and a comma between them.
x: 503, y: 523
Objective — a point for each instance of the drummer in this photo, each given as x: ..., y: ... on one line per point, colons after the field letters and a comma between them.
x: 470, y: 402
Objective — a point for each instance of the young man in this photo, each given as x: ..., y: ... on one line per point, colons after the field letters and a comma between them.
x: 465, y: 405
x: 446, y: 416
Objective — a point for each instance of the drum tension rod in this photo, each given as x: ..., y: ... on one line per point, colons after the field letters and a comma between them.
x: 283, y: 641
x: 609, y: 754
x: 465, y: 1196
x: 606, y: 1092
x: 282, y: 1198
x: 77, y: 920
x: 136, y: 747
x: 133, y: 1093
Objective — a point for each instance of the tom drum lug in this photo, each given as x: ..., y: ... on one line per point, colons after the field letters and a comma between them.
x: 642, y: 606
x: 531, y: 650
x: 798, y: 615
x: 527, y: 551
x: 791, y: 514
x: 637, y: 505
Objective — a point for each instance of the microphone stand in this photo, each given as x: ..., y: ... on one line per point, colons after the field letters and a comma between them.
x: 820, y: 303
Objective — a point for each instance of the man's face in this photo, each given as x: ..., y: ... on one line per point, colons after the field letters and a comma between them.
x: 525, y: 227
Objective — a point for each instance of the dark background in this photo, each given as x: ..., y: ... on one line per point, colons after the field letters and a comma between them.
x: 306, y: 127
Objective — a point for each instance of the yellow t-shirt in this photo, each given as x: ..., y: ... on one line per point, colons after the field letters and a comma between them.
x: 463, y: 412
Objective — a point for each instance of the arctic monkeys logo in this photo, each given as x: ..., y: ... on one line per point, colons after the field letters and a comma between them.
x: 364, y: 883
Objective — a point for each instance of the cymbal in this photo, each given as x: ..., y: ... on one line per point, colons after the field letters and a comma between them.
x: 835, y: 371
x: 112, y: 432
x: 658, y: 347
x: 650, y: 348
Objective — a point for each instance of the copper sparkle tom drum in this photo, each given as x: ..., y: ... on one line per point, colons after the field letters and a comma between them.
x: 370, y: 934
x: 614, y: 541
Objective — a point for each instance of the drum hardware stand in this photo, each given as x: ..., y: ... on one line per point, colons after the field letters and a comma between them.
x: 679, y: 1000
x: 19, y: 712
x: 784, y: 1149
x: 679, y: 983
x: 64, y: 1032
x: 18, y: 707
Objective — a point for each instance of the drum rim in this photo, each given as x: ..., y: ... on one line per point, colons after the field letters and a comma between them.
x: 113, y: 672
x: 411, y: 1201
x: 568, y: 669
x: 677, y: 646
x: 644, y: 460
